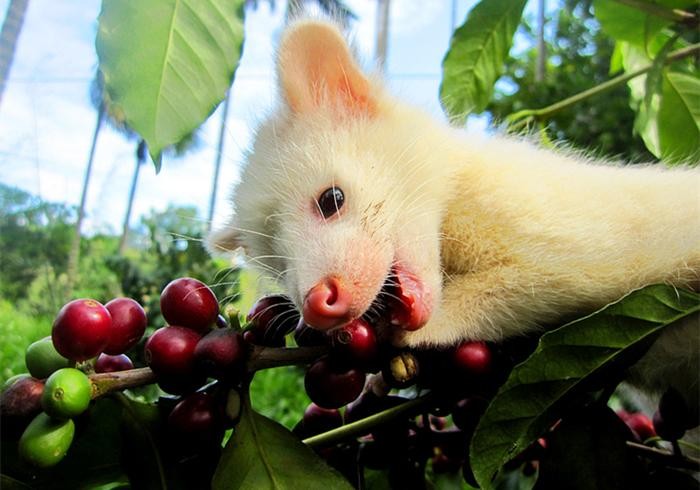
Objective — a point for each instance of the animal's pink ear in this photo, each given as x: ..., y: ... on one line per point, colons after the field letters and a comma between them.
x: 316, y: 69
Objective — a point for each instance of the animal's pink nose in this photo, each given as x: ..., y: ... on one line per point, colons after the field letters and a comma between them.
x: 327, y: 305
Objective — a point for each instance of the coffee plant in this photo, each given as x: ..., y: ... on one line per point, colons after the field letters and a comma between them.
x: 531, y: 412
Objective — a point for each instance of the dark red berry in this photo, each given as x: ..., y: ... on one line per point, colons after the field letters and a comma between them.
x: 306, y: 336
x: 128, y: 325
x: 473, y: 358
x: 317, y: 420
x: 106, y: 363
x: 221, y: 321
x: 271, y: 318
x: 198, y: 417
x: 355, y: 342
x: 170, y: 350
x: 22, y: 398
x: 221, y: 354
x: 330, y: 385
x: 640, y: 425
x: 81, y: 330
x: 189, y: 303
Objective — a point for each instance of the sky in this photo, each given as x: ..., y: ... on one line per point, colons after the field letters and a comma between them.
x: 47, y: 120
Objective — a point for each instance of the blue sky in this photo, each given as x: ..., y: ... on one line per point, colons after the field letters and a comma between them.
x: 46, y: 120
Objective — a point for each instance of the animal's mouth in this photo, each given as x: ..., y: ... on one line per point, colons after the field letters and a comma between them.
x: 405, y: 301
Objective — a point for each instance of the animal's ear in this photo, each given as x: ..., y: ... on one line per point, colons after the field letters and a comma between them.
x: 224, y: 240
x: 315, y: 68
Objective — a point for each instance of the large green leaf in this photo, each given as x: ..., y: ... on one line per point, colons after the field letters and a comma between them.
x: 261, y: 454
x: 633, y: 25
x: 570, y: 362
x: 168, y: 63
x: 476, y: 56
x: 679, y: 117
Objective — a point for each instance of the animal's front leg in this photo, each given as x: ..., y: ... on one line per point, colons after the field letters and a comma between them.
x: 476, y: 306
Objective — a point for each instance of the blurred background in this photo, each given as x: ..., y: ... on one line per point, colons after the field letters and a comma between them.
x: 137, y: 230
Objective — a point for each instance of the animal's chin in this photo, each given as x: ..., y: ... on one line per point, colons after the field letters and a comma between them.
x: 405, y: 301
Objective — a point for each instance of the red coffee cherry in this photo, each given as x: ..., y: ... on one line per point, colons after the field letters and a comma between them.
x: 82, y: 329
x: 271, y: 318
x: 356, y: 343
x: 317, y: 420
x: 128, y: 325
x: 332, y: 385
x: 189, y: 303
x: 473, y: 358
x: 221, y: 354
x: 106, y: 363
x: 170, y: 351
x: 199, y: 417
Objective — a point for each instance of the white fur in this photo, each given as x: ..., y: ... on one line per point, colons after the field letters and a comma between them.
x: 509, y: 237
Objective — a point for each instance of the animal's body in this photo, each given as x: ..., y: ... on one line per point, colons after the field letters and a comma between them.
x: 487, y: 237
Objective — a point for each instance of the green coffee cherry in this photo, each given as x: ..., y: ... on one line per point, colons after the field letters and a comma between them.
x: 45, y: 441
x: 42, y: 359
x: 67, y: 393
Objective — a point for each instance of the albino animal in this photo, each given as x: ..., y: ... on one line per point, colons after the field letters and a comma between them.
x: 350, y: 195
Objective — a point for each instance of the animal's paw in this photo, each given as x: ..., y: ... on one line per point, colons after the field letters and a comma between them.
x: 433, y: 334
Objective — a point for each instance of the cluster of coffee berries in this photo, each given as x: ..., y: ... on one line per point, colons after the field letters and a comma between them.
x: 57, y: 388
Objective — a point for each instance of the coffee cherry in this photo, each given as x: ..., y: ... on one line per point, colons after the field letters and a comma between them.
x: 401, y: 370
x: 221, y: 354
x: 21, y: 398
x: 473, y: 358
x: 189, y: 303
x: 81, y: 330
x: 254, y: 336
x: 66, y: 394
x: 317, y: 420
x: 128, y: 325
x: 198, y: 417
x: 272, y: 317
x: 42, y: 359
x: 640, y: 425
x: 170, y: 351
x: 45, y: 441
x: 111, y: 364
x: 356, y: 343
x: 306, y: 336
x: 331, y: 385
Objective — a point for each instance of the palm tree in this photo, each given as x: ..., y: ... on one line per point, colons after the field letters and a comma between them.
x: 11, y: 27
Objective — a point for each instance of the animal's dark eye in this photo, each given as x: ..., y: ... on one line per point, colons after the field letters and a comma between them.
x: 330, y: 201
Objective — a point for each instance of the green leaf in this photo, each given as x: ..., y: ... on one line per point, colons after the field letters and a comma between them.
x: 570, y: 362
x: 679, y: 117
x: 262, y: 454
x: 168, y: 63
x: 477, y: 53
x: 625, y: 23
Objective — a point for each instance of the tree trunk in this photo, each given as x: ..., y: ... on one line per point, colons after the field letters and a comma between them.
x: 382, y: 34
x: 140, y: 160
x: 540, y: 70
x: 217, y: 163
x: 11, y: 27
x: 74, y: 254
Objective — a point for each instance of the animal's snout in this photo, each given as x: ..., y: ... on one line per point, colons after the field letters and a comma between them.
x: 327, y: 304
